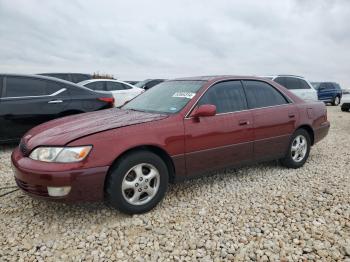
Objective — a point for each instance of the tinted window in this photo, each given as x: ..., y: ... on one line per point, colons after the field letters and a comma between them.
x: 226, y: 96
x: 261, y: 94
x: 330, y: 86
x: 281, y: 81
x: 323, y: 86
x: 76, y: 78
x: 304, y: 84
x: 114, y: 86
x: 52, y: 87
x: 21, y: 86
x: 60, y: 76
x: 336, y: 86
x: 99, y: 86
x: 292, y: 83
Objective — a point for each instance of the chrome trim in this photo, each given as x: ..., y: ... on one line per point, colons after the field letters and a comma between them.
x: 289, y: 102
x: 53, y: 94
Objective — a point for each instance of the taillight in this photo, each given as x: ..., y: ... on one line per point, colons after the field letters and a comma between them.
x: 109, y: 100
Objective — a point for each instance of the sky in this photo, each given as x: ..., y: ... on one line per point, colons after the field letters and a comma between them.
x: 135, y: 40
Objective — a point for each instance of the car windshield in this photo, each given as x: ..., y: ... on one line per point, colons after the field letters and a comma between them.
x: 315, y: 85
x: 167, y: 97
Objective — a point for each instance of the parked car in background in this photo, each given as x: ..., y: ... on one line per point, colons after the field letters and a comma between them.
x: 131, y: 82
x: 122, y: 91
x: 149, y: 83
x: 297, y: 85
x: 176, y: 130
x: 345, y: 102
x: 29, y: 100
x: 328, y: 92
x: 71, y: 77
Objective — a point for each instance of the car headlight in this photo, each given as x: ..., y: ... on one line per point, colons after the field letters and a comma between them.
x: 60, y: 154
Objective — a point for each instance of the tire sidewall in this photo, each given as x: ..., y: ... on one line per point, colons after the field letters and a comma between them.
x: 114, y: 195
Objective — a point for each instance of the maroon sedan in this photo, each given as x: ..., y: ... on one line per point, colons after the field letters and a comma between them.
x: 179, y: 129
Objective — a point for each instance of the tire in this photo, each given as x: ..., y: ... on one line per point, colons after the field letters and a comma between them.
x: 141, y: 193
x: 336, y: 101
x: 343, y: 109
x: 291, y: 160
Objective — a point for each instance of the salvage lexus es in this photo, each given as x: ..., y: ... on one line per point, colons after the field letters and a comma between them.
x: 178, y: 129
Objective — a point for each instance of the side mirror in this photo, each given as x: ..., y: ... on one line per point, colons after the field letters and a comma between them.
x: 204, y: 110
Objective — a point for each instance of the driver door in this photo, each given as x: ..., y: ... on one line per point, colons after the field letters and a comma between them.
x: 225, y: 139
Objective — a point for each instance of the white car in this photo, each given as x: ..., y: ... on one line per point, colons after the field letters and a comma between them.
x: 296, y: 84
x: 122, y: 91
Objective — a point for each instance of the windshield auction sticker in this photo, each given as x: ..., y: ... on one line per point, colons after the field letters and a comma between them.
x: 188, y: 95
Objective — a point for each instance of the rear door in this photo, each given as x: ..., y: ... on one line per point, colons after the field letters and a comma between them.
x: 224, y: 139
x: 25, y: 103
x: 274, y: 119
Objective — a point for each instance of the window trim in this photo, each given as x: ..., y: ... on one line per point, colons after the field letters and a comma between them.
x: 244, y: 87
x: 289, y: 100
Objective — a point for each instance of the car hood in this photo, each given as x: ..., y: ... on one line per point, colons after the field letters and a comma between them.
x: 64, y: 130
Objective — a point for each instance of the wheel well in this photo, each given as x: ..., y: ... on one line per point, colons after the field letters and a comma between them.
x: 310, y: 132
x: 156, y: 150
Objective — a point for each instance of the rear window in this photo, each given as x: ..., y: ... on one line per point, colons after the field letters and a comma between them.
x: 22, y: 86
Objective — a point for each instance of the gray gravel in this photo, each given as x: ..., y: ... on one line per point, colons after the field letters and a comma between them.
x: 259, y: 213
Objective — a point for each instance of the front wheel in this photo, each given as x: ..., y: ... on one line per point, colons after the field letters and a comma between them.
x: 298, y: 150
x: 137, y: 183
x: 336, y: 101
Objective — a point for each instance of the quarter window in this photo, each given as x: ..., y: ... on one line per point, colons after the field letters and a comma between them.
x: 114, y: 86
x: 260, y: 94
x: 21, y: 86
x: 226, y: 96
x: 98, y: 85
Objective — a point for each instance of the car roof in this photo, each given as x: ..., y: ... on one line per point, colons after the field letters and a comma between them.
x: 283, y: 75
x: 101, y: 79
x: 217, y: 78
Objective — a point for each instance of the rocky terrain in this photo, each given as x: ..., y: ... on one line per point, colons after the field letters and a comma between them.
x: 263, y: 212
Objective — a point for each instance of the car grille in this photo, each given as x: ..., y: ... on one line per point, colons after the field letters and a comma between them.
x: 33, y: 189
x: 23, y: 148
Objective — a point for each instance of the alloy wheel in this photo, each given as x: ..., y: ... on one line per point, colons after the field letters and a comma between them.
x: 140, y: 184
x: 299, y: 148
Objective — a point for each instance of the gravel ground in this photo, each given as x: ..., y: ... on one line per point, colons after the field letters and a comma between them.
x: 259, y: 213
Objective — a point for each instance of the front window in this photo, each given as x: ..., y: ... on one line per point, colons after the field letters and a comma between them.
x: 167, y: 97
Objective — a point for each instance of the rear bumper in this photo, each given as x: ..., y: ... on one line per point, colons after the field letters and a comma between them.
x: 321, y: 132
x: 86, y: 184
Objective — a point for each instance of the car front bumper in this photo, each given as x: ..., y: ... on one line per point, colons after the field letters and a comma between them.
x: 34, y: 177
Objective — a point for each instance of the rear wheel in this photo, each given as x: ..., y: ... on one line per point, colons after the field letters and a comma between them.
x: 137, y: 183
x: 336, y: 101
x: 298, y: 150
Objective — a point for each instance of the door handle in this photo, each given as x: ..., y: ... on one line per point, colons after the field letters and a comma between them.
x: 243, y: 122
x: 291, y: 115
x: 56, y: 101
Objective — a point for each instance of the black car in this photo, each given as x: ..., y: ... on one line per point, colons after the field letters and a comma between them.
x: 71, y: 77
x: 29, y: 100
x: 148, y: 83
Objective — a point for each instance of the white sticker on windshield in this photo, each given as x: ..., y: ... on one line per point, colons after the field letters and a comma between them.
x: 188, y: 95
